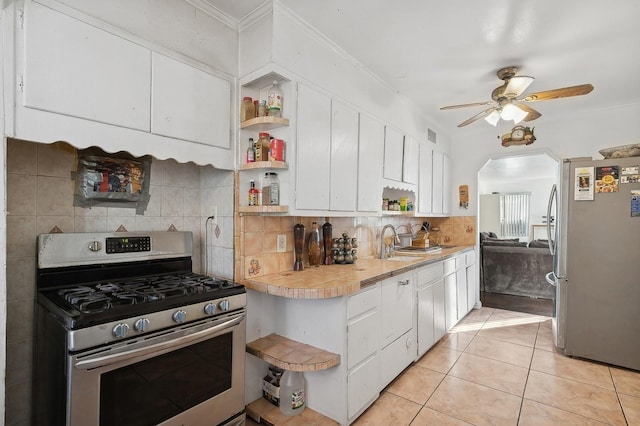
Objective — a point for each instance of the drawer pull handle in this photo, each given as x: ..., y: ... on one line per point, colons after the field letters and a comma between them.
x: 405, y: 282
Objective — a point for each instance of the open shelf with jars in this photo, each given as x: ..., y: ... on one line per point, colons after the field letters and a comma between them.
x: 257, y: 87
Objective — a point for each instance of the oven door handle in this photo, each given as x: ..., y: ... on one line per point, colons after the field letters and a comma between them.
x: 158, y: 348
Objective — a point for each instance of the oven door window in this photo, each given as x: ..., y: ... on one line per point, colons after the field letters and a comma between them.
x: 156, y: 389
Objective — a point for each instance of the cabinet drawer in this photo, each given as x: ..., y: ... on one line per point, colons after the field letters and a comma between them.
x: 449, y: 266
x: 460, y: 261
x: 430, y: 274
x: 362, y: 338
x: 363, y: 301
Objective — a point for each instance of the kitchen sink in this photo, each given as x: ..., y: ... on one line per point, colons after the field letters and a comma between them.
x: 421, y: 250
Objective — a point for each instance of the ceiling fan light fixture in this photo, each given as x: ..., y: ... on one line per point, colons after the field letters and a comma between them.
x: 512, y: 112
x: 493, y: 117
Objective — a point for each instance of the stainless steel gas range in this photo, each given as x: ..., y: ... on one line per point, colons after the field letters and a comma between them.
x: 127, y: 334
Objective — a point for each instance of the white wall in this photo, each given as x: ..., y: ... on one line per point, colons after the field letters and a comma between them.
x: 576, y: 136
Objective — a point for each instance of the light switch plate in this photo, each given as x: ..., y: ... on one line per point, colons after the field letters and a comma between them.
x: 282, y: 243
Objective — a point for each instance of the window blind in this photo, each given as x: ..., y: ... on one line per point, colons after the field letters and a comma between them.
x: 514, y: 214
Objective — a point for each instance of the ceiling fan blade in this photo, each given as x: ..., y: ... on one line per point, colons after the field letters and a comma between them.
x: 467, y: 105
x: 478, y: 116
x: 517, y: 85
x: 532, y: 113
x: 565, y: 92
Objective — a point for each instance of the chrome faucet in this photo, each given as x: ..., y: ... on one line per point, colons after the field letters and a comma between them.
x: 383, y: 251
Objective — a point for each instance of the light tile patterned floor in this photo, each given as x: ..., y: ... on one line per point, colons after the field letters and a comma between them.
x: 499, y: 367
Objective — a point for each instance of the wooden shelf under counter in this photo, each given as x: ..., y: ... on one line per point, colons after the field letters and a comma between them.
x: 266, y: 413
x: 291, y: 355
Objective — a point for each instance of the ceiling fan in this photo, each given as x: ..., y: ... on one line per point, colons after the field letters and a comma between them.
x: 507, y: 104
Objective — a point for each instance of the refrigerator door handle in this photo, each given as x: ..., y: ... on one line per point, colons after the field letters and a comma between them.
x: 551, y: 278
x: 552, y: 198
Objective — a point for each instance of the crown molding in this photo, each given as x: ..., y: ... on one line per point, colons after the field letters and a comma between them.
x: 214, y: 12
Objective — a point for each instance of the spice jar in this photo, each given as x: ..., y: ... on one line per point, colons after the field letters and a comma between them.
x: 262, y: 147
x: 247, y: 110
x: 262, y: 108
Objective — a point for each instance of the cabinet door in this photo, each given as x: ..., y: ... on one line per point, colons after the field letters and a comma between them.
x: 76, y: 69
x: 446, y: 184
x: 425, y: 180
x: 437, y: 175
x: 190, y: 104
x: 314, y: 149
x: 450, y: 302
x: 410, y: 161
x: 397, y: 307
x: 461, y: 293
x: 439, y: 311
x: 362, y: 338
x: 370, y: 163
x: 344, y: 157
x: 425, y: 324
x: 472, y: 291
x: 363, y: 386
x: 396, y: 357
x: 393, y: 154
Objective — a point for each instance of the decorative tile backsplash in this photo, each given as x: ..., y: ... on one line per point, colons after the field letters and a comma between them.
x: 256, y: 253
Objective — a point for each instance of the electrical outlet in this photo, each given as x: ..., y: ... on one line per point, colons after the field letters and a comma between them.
x: 214, y: 213
x: 282, y: 243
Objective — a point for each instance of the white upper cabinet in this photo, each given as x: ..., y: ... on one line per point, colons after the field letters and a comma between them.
x: 188, y: 103
x: 446, y: 184
x: 344, y: 157
x: 76, y: 69
x: 425, y: 178
x: 410, y: 156
x: 370, y: 163
x: 393, y: 154
x: 437, y: 182
x: 313, y: 160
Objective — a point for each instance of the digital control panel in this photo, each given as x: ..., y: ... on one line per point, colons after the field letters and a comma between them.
x: 128, y: 244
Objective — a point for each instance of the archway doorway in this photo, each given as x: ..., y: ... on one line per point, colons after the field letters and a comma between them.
x: 502, y: 282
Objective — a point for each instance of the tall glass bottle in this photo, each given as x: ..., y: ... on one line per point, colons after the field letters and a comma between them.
x: 327, y: 231
x: 314, y: 246
x: 298, y: 241
x: 274, y: 100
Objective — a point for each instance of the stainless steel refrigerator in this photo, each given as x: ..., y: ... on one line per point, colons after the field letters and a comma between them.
x: 597, y: 260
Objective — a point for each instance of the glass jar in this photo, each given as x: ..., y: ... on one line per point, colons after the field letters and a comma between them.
x: 262, y: 108
x: 247, y: 110
x: 314, y: 246
x: 270, y: 189
x: 262, y: 147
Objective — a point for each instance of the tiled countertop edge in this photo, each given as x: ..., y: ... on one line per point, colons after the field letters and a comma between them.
x: 330, y: 281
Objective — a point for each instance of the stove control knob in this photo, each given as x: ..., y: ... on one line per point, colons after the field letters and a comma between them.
x: 120, y: 330
x: 95, y: 246
x: 141, y: 325
x: 179, y: 316
x: 210, y: 308
x: 224, y: 305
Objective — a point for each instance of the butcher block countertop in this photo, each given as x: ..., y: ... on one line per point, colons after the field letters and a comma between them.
x: 328, y: 281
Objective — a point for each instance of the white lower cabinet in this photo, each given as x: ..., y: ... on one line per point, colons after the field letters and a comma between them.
x: 461, y: 293
x: 430, y: 322
x: 472, y: 289
x: 363, y: 345
x: 363, y: 386
x: 396, y: 356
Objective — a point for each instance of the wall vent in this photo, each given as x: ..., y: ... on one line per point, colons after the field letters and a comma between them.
x: 431, y: 135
